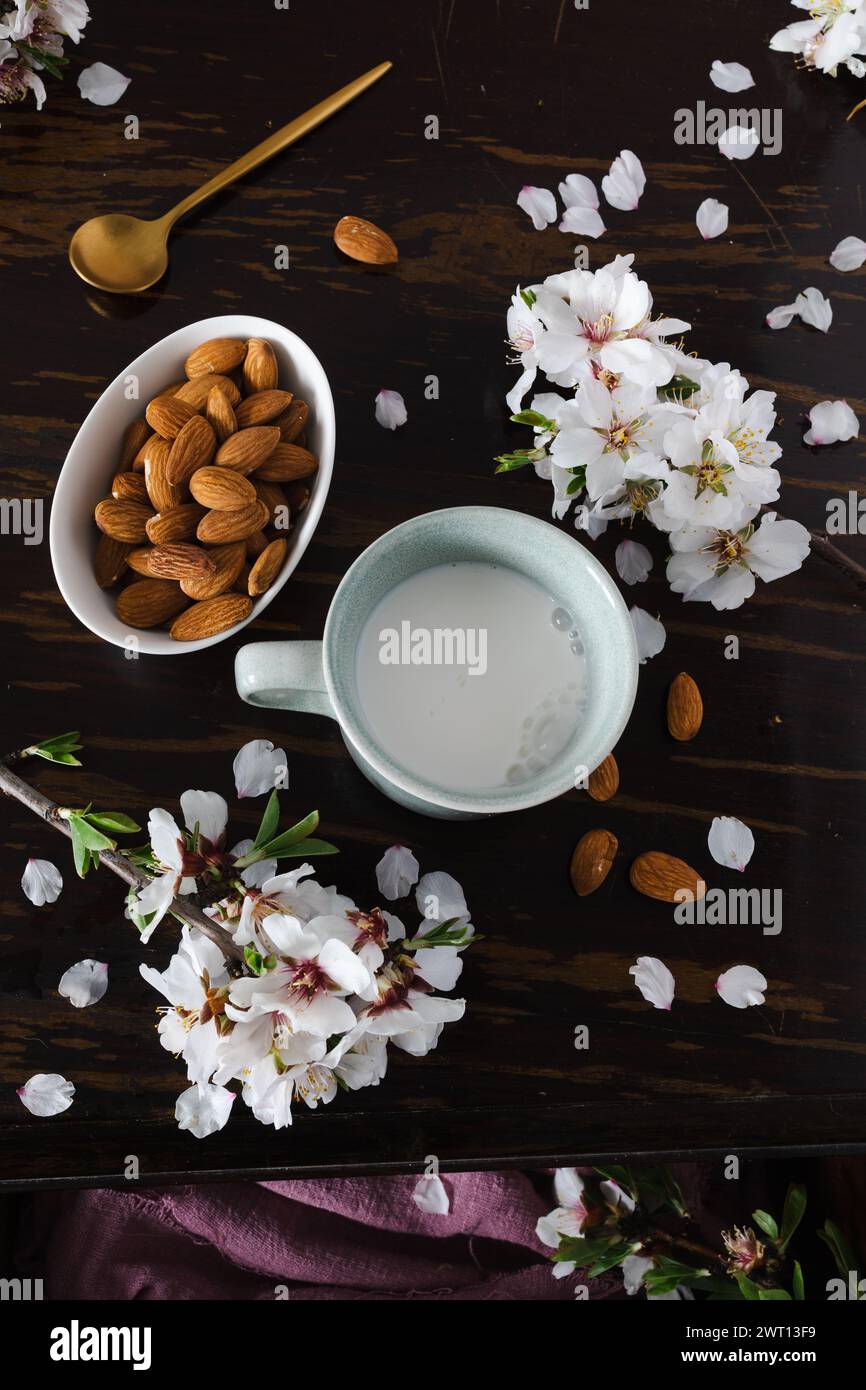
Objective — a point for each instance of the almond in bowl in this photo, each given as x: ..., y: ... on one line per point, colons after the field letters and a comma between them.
x: 161, y: 507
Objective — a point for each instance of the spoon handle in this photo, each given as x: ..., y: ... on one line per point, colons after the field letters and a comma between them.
x: 287, y: 135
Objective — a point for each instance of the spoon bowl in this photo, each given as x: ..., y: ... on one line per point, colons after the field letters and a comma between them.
x: 120, y: 253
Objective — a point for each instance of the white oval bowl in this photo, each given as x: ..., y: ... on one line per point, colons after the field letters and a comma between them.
x: 92, y: 462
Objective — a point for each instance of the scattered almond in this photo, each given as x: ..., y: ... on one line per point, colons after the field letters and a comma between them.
x: 211, y: 616
x: 592, y: 859
x: 220, y: 355
x: 364, y: 241
x: 267, y: 567
x: 221, y: 489
x: 260, y: 371
x: 603, y: 783
x: 685, y: 708
x: 661, y: 876
x: 150, y: 602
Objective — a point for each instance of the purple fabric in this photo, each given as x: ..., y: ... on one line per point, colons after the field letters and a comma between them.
x: 351, y: 1238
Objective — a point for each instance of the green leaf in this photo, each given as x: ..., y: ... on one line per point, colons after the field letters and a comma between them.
x: 843, y: 1255
x: 718, y: 1288
x: 798, y: 1283
x: 582, y: 1251
x: 578, y: 482
x: 306, y: 849
x: 141, y: 920
x: 766, y: 1223
x: 508, y: 462
x: 59, y: 749
x: 80, y: 854
x: 622, y: 1176
x: 270, y: 821
x: 534, y: 418
x: 258, y: 963
x: 90, y: 836
x: 444, y: 934
x: 748, y: 1289
x: 678, y: 387
x: 774, y: 1296
x: 615, y: 1256
x: 529, y: 297
x: 792, y: 1213
x: 112, y: 820
x: 51, y: 62
x: 290, y: 837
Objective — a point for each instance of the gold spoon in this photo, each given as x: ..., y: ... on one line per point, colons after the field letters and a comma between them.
x: 124, y: 254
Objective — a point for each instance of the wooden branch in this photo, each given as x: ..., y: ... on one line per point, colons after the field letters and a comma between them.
x: 48, y: 811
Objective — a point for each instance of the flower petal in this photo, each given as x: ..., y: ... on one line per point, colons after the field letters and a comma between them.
x: 649, y: 634
x: 397, y: 872
x: 46, y: 1093
x: 712, y: 218
x: 623, y: 185
x: 741, y: 986
x: 730, y: 842
x: 85, y: 983
x: 654, y: 980
x: 739, y: 142
x: 258, y: 767
x: 208, y: 811
x: 831, y: 422
x: 439, y: 897
x: 390, y: 409
x: 730, y: 77
x: 539, y: 203
x: 815, y: 309
x: 633, y: 562
x: 849, y: 254
x: 203, y: 1109
x: 42, y: 882
x: 430, y: 1195
x: 101, y: 84
x: 782, y: 317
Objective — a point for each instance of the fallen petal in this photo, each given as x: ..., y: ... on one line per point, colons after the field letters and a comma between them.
x: 654, y: 980
x: 849, y: 254
x: 831, y: 422
x: 390, y: 409
x: 742, y: 986
x: 730, y: 842
x: 540, y: 205
x: 85, y: 983
x: 815, y: 309
x: 649, y: 634
x: 46, y: 1093
x: 258, y: 767
x: 782, y: 317
x: 712, y: 218
x: 626, y: 181
x: 42, y: 882
x: 430, y: 1195
x: 203, y: 1109
x: 739, y: 142
x: 730, y: 77
x: 633, y: 562
x: 101, y: 84
x: 396, y: 872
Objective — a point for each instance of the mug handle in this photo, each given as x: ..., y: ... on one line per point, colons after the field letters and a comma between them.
x: 283, y: 675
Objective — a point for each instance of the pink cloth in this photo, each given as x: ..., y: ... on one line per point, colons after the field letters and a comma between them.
x: 351, y: 1238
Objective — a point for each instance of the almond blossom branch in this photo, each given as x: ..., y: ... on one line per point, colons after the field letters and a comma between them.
x: 52, y: 814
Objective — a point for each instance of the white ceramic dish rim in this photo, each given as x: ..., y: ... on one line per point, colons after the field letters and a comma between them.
x: 65, y: 552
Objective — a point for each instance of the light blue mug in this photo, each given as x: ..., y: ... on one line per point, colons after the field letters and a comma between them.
x: 319, y: 677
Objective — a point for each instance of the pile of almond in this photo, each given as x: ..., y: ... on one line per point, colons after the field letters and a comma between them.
x: 195, y: 525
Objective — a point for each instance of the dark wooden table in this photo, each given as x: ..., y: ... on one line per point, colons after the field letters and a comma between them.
x: 524, y: 93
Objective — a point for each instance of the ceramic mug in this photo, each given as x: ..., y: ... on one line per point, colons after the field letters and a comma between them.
x: 319, y: 677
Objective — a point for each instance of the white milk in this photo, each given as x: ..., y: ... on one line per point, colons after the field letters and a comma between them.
x: 471, y: 676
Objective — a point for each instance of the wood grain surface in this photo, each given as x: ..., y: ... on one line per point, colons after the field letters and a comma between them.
x: 524, y: 93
